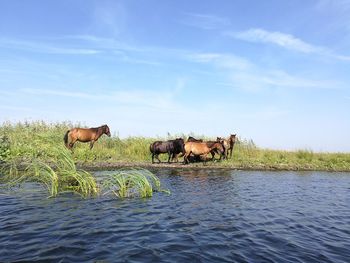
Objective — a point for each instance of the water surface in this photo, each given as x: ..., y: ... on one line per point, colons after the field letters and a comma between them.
x: 210, y: 216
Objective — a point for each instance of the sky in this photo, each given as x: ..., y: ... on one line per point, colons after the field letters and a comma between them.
x: 276, y: 72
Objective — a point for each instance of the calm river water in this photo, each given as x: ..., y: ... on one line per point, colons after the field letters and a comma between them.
x: 210, y: 216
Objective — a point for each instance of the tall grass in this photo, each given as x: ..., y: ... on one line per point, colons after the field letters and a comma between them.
x: 132, y: 182
x: 58, y: 175
x: 22, y: 142
x: 34, y: 152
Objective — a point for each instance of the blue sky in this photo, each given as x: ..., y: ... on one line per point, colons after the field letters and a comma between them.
x: 276, y: 72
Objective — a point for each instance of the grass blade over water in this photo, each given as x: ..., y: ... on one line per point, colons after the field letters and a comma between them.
x: 132, y: 183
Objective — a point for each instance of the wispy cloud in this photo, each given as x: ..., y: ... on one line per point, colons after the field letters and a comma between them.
x: 243, y: 74
x: 40, y: 47
x: 283, y: 40
x: 205, y: 21
x: 84, y: 45
x: 71, y: 94
x: 147, y: 98
x: 221, y: 60
x: 15, y: 108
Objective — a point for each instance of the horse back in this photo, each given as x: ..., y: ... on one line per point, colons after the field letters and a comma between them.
x: 160, y: 147
x: 197, y: 148
x: 83, y: 134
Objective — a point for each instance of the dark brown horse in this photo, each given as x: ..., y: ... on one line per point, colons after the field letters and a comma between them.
x: 85, y: 135
x: 172, y: 147
x: 229, y: 143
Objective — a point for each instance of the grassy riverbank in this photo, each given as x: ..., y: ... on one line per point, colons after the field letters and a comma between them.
x: 39, y: 140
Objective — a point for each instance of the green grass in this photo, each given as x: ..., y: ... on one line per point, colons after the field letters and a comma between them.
x: 58, y: 175
x: 62, y: 176
x: 23, y: 142
x: 132, y: 182
x: 34, y: 152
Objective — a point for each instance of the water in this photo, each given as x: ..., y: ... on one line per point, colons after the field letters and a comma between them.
x: 211, y: 216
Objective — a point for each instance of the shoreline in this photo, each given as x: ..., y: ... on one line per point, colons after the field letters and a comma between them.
x: 105, y: 166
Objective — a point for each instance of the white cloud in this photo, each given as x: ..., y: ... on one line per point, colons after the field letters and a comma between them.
x: 243, y: 74
x: 145, y: 98
x: 221, y: 60
x: 40, y: 47
x: 15, y: 108
x: 205, y: 21
x: 281, y: 39
x: 284, y: 40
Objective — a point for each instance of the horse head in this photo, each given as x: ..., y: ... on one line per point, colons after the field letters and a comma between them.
x: 106, y: 130
x: 232, y: 138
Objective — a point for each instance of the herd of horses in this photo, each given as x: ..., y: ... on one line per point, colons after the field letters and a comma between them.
x: 192, y: 150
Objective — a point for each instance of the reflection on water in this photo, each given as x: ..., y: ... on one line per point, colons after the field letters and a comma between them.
x: 211, y: 216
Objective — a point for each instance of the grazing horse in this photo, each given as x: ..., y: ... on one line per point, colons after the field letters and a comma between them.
x: 201, y: 148
x: 85, y: 135
x: 172, y: 147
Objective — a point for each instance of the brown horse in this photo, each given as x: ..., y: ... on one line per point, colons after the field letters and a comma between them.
x: 201, y: 148
x: 209, y: 144
x: 228, y: 144
x: 232, y: 141
x: 85, y: 135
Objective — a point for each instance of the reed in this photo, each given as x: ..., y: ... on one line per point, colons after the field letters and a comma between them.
x: 34, y: 152
x: 57, y: 176
x: 22, y: 142
x: 132, y: 183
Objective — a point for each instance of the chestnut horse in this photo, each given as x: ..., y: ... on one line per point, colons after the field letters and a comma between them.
x: 85, y: 135
x: 201, y: 148
x: 228, y: 144
x: 209, y: 144
x: 231, y: 140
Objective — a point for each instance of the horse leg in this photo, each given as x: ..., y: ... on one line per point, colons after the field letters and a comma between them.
x: 153, y: 157
x: 221, y: 154
x: 157, y: 156
x: 92, y: 144
x: 71, y: 144
x: 205, y: 158
x: 231, y: 150
x: 169, y: 156
x: 212, y: 155
x: 186, y: 158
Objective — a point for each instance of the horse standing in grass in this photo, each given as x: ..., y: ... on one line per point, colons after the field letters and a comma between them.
x: 201, y: 148
x: 172, y: 147
x: 228, y: 144
x: 85, y: 135
x: 231, y: 141
x: 209, y: 144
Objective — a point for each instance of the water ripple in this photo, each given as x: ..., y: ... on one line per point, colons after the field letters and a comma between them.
x: 211, y: 216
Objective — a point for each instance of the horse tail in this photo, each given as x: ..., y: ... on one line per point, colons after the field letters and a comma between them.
x: 65, y: 138
x: 151, y: 147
